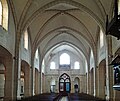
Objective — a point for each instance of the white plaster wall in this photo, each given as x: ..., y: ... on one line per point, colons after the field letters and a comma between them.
x: 7, y: 37
x: 56, y: 73
x: 102, y: 54
x: 25, y: 54
x: 101, y: 50
x: 73, y: 58
x: 36, y: 63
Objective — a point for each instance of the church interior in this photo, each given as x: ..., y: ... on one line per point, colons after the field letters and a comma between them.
x: 59, y: 49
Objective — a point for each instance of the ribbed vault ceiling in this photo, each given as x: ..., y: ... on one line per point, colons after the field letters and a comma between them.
x: 62, y: 24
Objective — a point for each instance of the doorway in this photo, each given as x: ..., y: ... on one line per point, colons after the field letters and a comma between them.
x: 77, y: 85
x: 64, y: 83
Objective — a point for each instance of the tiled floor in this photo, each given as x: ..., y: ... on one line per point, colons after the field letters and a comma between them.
x: 64, y: 99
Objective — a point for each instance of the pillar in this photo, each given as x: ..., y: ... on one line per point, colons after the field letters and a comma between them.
x: 9, y: 80
x: 109, y: 70
x: 27, y: 81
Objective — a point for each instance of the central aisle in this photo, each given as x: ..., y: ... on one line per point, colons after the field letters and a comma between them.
x: 64, y: 98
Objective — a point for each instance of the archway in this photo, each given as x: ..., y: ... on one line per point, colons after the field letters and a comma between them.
x: 25, y: 78
x: 77, y: 85
x: 6, y: 74
x: 52, y: 85
x: 64, y: 83
x: 2, y: 81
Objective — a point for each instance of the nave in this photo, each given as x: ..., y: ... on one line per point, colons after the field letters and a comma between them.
x: 54, y: 46
x: 62, y: 97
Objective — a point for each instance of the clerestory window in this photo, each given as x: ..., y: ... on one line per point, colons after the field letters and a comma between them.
x: 76, y: 65
x: 101, y: 39
x: 26, y: 39
x: 1, y: 13
x: 52, y: 65
x: 118, y: 6
x: 4, y: 14
x: 64, y: 59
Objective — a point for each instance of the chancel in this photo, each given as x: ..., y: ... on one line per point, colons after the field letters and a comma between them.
x: 59, y: 50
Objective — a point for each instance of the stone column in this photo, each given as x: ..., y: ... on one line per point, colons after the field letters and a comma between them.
x: 92, y: 82
x: 19, y: 81
x: 36, y: 81
x: 32, y: 80
x: 97, y: 81
x: 72, y: 85
x: 39, y: 83
x: 9, y: 80
x: 56, y: 84
x: 109, y: 70
x: 89, y: 83
x: 27, y: 81
x: 102, y: 80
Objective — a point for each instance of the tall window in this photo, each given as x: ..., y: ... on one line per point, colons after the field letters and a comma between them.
x: 43, y: 66
x: 101, y: 38
x: 64, y: 59
x: 26, y: 39
x: 36, y: 54
x: 52, y: 65
x: 36, y: 60
x: 118, y: 6
x: 1, y: 13
x: 4, y: 14
x: 76, y: 65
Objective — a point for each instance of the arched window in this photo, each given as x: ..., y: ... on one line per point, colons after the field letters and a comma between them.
x: 118, y: 6
x: 4, y: 14
x: 76, y: 65
x: 43, y: 66
x: 36, y: 54
x: 101, y: 38
x: 1, y: 13
x: 52, y: 65
x: 36, y: 60
x: 26, y: 39
x: 64, y: 59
